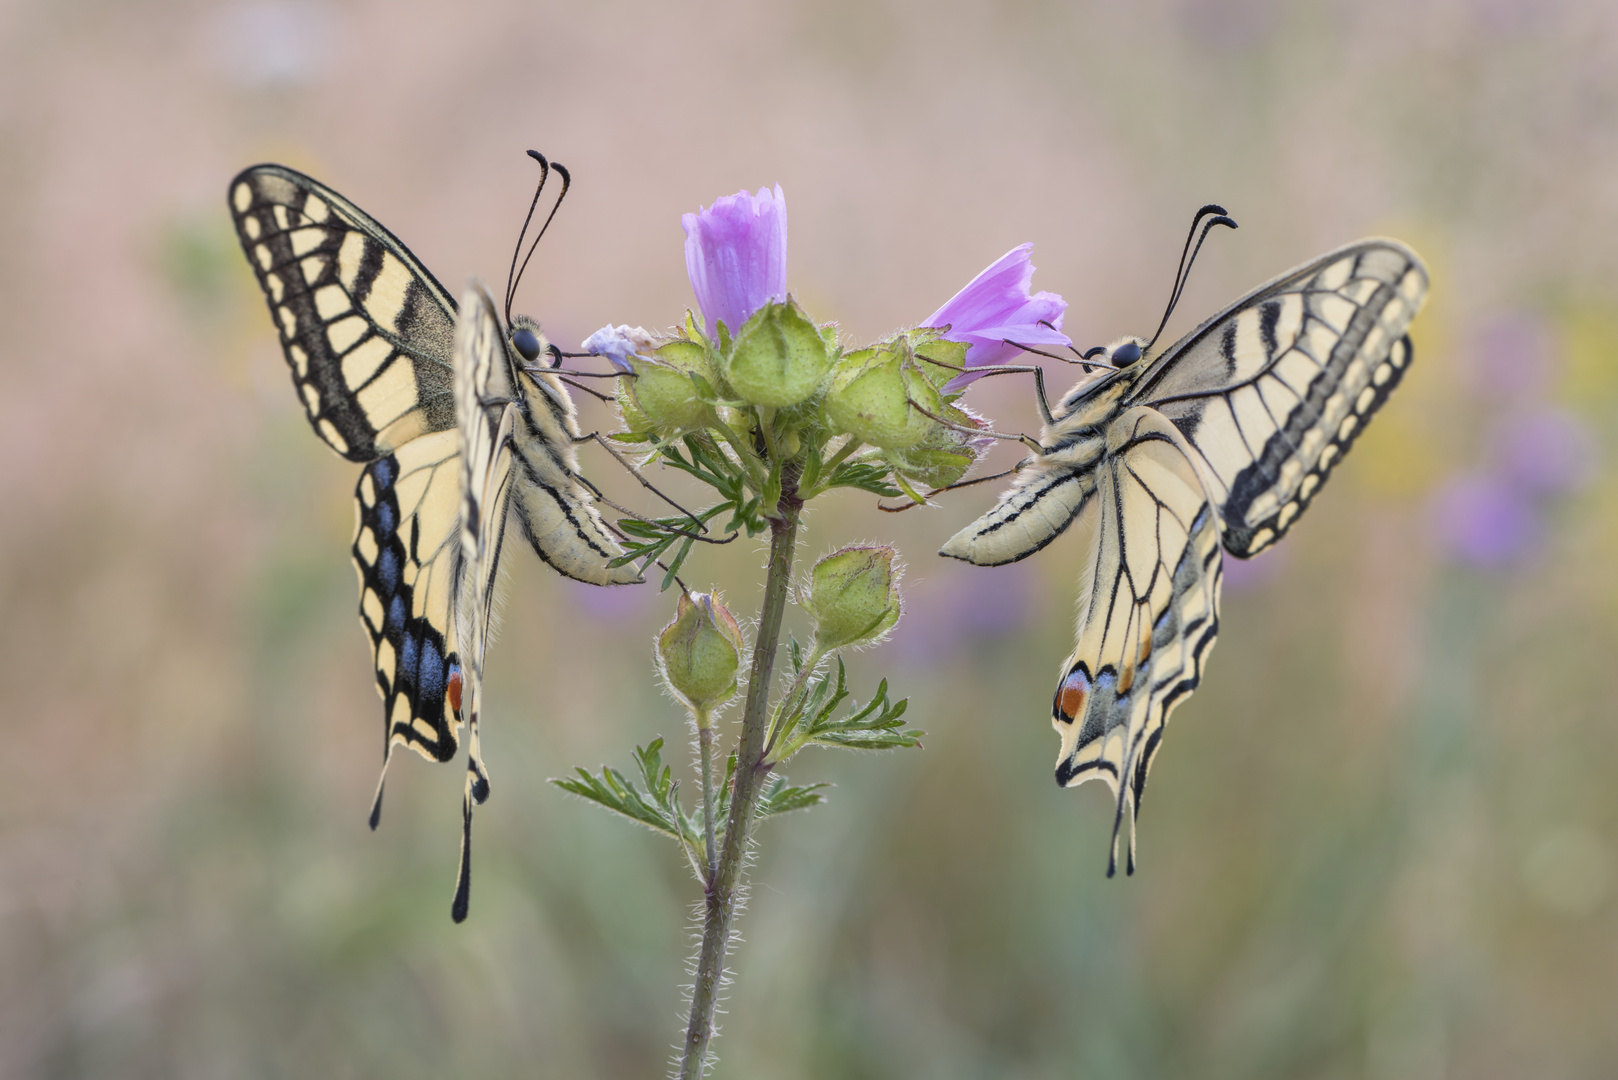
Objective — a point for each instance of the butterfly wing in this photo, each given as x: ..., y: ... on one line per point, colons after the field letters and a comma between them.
x: 1272, y: 391
x: 486, y: 415
x: 407, y: 552
x: 1148, y: 612
x: 367, y: 331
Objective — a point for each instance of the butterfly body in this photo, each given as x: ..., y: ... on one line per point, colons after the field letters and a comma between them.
x: 456, y: 432
x: 1219, y: 443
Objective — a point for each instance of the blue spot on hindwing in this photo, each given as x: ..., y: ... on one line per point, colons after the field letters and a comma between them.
x: 432, y: 680
x: 396, y: 614
x: 407, y: 660
x: 383, y: 471
x: 387, y: 569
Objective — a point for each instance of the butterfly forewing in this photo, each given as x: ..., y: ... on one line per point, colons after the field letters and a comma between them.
x: 366, y: 329
x: 1271, y: 392
x: 1148, y: 612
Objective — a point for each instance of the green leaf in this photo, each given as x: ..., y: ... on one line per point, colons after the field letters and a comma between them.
x: 812, y: 462
x: 655, y: 804
x: 770, y: 498
x: 780, y: 798
x: 877, y: 725
x: 866, y: 477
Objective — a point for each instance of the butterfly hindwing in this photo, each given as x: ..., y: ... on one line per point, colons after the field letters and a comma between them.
x: 407, y: 552
x: 366, y: 329
x: 485, y: 414
x: 1148, y: 611
x: 1272, y: 391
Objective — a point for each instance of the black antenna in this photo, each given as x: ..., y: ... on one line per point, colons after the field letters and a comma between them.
x: 511, y: 275
x: 567, y: 182
x: 1183, y: 273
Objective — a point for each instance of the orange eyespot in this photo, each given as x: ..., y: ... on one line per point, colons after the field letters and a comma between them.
x: 1072, y: 694
x: 455, y: 690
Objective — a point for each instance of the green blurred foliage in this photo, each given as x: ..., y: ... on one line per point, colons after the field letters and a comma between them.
x: 1379, y: 842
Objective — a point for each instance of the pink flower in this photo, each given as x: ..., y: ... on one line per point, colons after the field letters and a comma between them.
x: 736, y: 256
x: 996, y: 307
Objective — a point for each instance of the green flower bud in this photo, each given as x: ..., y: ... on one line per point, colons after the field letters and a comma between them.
x: 871, y: 394
x: 951, y: 357
x: 854, y: 596
x: 946, y: 454
x: 778, y: 358
x: 700, y: 651
x: 663, y: 397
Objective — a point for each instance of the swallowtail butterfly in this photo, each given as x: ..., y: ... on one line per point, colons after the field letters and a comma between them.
x: 1221, y: 441
x: 457, y: 421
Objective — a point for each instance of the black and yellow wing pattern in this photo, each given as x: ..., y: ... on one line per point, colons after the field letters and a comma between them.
x: 1218, y: 443
x: 1272, y: 391
x: 371, y: 338
x: 487, y: 415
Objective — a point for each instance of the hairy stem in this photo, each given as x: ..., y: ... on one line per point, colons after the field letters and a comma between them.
x: 705, y: 743
x: 751, y: 770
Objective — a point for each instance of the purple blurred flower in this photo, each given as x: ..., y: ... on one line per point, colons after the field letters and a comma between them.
x: 954, y: 614
x: 736, y: 256
x: 1545, y: 451
x: 618, y: 343
x: 1485, y: 521
x: 1515, y: 356
x: 996, y: 307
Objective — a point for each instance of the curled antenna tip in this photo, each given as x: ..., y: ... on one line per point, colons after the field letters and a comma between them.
x: 537, y: 156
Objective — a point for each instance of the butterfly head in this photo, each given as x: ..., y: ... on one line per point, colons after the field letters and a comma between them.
x: 530, y: 342
x: 1125, y: 352
x: 1115, y: 367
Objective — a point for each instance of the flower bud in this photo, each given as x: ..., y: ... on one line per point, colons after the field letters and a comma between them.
x: 950, y: 357
x: 854, y: 596
x: 778, y: 357
x: 871, y: 393
x: 700, y: 651
x: 663, y: 392
x: 946, y: 454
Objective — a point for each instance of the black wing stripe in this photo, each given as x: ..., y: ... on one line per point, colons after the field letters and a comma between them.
x: 341, y: 288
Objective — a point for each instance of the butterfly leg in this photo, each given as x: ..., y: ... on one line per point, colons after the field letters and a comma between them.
x: 958, y: 484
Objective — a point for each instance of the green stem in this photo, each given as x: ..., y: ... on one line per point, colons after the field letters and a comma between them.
x: 744, y: 453
x: 705, y: 744
x: 722, y: 891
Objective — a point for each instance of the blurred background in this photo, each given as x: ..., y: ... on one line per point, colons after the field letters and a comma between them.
x: 1381, y: 839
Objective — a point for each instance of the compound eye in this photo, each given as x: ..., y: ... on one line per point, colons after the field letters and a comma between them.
x: 1126, y: 354
x: 526, y: 342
